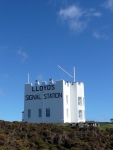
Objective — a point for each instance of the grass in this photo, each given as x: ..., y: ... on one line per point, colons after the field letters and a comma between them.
x: 105, y: 126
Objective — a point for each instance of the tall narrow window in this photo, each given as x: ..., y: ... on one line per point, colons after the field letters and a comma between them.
x: 40, y: 112
x: 29, y: 113
x: 67, y: 99
x: 80, y: 101
x: 47, y: 112
x: 80, y: 114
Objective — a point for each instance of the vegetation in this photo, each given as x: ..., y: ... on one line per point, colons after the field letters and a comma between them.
x: 31, y: 136
x: 106, y: 126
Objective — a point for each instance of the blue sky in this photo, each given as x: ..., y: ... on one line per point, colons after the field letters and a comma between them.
x: 38, y: 35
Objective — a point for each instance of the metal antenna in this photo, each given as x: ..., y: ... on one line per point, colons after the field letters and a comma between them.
x: 68, y: 73
x: 28, y: 77
x: 74, y: 73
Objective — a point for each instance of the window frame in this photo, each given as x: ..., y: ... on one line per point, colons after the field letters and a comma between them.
x: 47, y: 112
x: 79, y: 101
x: 29, y: 113
x: 80, y: 114
x: 39, y: 112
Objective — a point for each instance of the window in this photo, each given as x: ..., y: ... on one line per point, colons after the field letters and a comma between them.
x: 80, y: 114
x: 29, y: 113
x: 67, y: 99
x: 47, y: 112
x: 67, y: 112
x: 80, y: 101
x: 39, y: 112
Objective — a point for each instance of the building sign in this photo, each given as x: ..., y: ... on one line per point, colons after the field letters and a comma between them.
x: 43, y: 95
x: 41, y: 88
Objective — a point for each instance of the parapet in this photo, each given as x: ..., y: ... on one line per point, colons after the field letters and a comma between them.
x: 51, y: 81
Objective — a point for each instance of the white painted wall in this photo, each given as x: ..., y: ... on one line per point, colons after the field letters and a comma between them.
x: 58, y: 106
x: 66, y: 105
x: 80, y: 93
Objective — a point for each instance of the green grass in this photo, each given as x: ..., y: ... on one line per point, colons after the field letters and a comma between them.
x: 105, y: 126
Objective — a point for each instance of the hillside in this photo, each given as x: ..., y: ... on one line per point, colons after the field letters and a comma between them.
x: 29, y: 136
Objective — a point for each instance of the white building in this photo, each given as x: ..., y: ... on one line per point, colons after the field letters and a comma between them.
x: 111, y: 120
x: 60, y: 102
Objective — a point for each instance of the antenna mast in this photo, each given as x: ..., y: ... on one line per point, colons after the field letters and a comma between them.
x: 28, y: 77
x: 74, y: 73
x: 68, y: 73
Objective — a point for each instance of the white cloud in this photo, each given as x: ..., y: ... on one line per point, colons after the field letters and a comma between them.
x: 108, y: 5
x: 99, y: 36
x: 1, y: 93
x: 23, y: 55
x: 71, y: 12
x: 92, y: 13
x: 76, y: 17
x: 97, y: 14
x: 73, y: 16
x: 77, y: 25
